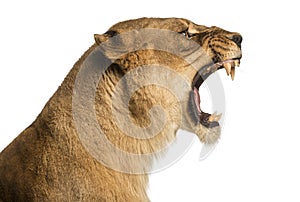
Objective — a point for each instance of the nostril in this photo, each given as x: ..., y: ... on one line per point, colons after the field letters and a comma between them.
x: 237, y: 39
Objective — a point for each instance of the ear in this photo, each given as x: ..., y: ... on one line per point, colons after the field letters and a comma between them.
x: 99, y: 38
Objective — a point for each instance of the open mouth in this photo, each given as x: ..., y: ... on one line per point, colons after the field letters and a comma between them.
x: 206, y: 119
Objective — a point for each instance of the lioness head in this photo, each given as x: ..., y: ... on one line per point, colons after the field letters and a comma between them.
x: 151, y: 87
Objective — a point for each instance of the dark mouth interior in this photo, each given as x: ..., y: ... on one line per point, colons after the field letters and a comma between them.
x: 204, y: 118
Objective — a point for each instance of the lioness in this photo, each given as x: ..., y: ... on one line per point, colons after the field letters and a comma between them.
x: 119, y: 106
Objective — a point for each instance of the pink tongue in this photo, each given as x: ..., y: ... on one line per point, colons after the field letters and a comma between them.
x: 197, y: 99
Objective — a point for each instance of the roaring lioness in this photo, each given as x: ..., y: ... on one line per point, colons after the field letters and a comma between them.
x: 118, y: 108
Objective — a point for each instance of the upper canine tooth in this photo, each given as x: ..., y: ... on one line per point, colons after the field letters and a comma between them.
x: 237, y: 63
x: 227, y: 68
x: 232, y: 73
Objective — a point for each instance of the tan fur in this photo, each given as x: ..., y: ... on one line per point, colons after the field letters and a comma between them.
x: 48, y: 162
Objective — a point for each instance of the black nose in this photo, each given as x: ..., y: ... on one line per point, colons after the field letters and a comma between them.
x: 237, y: 39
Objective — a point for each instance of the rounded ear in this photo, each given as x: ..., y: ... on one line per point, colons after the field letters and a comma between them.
x: 99, y: 38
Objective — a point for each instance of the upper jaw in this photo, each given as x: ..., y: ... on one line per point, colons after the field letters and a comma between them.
x: 228, y: 64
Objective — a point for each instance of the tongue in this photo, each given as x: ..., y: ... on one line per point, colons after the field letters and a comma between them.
x: 197, y: 99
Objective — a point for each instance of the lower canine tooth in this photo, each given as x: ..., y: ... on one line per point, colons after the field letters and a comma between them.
x: 227, y: 68
x: 232, y: 73
x: 214, y: 117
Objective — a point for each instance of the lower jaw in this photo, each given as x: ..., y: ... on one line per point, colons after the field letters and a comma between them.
x: 205, y: 119
x: 208, y: 135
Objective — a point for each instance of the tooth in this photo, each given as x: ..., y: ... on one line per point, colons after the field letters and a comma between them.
x: 232, y: 64
x: 212, y: 117
x: 218, y: 117
x: 232, y: 73
x: 215, y: 117
x: 237, y: 63
x: 227, y: 67
x: 207, y: 70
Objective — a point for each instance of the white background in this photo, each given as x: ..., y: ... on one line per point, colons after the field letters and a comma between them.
x: 258, y: 156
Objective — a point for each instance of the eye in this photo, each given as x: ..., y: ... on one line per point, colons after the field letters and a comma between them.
x: 187, y: 34
x: 184, y: 33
